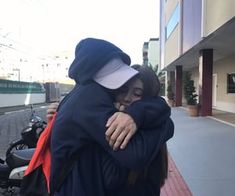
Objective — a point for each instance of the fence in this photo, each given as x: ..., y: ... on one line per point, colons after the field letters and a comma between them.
x: 14, y: 93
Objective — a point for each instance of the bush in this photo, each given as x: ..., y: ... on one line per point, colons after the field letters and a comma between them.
x: 170, y: 93
x: 189, y: 90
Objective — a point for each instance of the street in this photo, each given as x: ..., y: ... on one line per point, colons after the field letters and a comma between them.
x: 11, y: 125
x: 13, y: 122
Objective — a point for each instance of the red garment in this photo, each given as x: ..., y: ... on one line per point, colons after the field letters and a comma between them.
x: 42, y: 154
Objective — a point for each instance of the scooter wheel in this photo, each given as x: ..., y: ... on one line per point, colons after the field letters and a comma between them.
x: 18, y: 145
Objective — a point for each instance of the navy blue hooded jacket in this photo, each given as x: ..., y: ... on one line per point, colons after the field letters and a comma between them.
x: 80, y: 125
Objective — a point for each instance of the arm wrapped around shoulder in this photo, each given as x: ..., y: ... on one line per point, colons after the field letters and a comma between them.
x: 149, y: 112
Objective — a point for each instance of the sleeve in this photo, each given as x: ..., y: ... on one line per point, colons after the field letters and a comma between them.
x: 93, y: 118
x: 149, y: 112
x: 113, y: 174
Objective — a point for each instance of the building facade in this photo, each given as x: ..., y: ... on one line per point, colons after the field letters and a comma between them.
x: 145, y: 53
x: 151, y: 52
x: 198, y: 37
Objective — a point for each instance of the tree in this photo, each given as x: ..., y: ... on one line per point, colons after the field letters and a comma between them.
x: 170, y: 93
x: 189, y: 90
x: 161, y: 77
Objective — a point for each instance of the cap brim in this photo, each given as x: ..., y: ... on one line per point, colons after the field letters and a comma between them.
x: 116, y: 79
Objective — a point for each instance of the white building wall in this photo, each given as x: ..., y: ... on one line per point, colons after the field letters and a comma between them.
x: 8, y: 100
x: 153, y: 52
x: 224, y: 101
x: 216, y: 13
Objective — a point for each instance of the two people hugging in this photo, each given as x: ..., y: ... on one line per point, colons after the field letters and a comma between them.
x: 115, y: 121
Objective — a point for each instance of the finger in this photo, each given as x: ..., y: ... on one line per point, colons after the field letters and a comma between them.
x: 49, y: 117
x: 122, y: 108
x: 50, y: 111
x: 126, y: 140
x: 119, y: 140
x: 53, y: 105
x: 111, y: 119
x: 110, y: 130
x: 52, y: 108
x: 117, y: 105
x: 115, y: 135
x: 131, y: 130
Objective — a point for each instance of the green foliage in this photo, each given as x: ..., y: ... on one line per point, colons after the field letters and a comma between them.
x: 170, y: 93
x: 162, y: 89
x: 189, y: 90
x: 159, y: 75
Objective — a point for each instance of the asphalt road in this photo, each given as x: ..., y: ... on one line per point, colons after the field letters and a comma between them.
x: 11, y: 124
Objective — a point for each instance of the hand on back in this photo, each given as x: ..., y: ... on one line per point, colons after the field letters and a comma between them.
x: 51, y: 110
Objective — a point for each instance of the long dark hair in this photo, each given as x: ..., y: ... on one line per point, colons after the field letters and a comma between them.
x: 151, y: 89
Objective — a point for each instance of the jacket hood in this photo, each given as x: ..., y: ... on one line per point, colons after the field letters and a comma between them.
x: 90, y: 56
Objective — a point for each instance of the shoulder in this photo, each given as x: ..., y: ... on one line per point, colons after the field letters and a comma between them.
x: 91, y: 88
x: 89, y: 95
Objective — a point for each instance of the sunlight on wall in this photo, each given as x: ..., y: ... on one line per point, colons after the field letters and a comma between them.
x: 27, y: 99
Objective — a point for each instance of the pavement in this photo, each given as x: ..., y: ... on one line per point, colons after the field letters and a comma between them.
x: 203, y: 151
x: 175, y: 184
x: 201, y: 154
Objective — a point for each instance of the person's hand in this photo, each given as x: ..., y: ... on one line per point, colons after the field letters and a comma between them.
x: 121, y: 127
x: 51, y: 110
x: 119, y: 106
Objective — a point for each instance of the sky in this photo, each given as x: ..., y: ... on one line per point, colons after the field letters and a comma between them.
x: 51, y: 26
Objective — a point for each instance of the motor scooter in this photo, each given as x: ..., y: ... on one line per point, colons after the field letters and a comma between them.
x: 12, y: 169
x: 29, y: 134
x: 19, y: 154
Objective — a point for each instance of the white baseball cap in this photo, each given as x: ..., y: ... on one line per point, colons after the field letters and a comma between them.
x: 114, y: 74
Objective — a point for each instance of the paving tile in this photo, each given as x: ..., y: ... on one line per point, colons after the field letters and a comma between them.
x: 175, y: 184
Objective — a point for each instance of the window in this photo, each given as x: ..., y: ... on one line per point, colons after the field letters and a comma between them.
x: 173, y: 21
x: 231, y: 83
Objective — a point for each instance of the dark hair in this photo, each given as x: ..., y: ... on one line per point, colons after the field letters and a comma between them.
x: 151, y: 88
x: 150, y: 80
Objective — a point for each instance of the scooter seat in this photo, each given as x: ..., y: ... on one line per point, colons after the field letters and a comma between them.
x: 19, y: 158
x: 4, y: 171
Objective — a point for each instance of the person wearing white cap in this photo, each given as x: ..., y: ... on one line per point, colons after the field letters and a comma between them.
x: 79, y: 129
x: 142, y: 182
x: 114, y: 74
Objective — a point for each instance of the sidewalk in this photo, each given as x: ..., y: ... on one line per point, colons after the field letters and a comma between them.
x: 175, y: 185
x: 203, y: 151
x: 202, y: 158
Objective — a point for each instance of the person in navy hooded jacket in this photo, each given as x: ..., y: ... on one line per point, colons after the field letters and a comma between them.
x: 80, y: 125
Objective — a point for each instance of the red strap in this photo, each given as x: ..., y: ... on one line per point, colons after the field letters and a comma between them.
x: 42, y: 154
